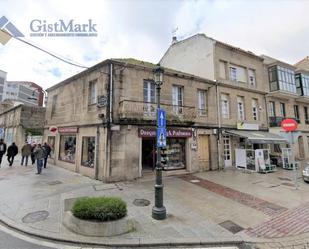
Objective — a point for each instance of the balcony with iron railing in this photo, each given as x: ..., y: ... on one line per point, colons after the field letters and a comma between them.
x: 276, y: 121
x: 138, y: 111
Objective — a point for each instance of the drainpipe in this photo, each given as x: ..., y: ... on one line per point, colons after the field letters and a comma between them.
x: 96, y: 169
x: 219, y: 126
x: 266, y: 112
x: 109, y: 122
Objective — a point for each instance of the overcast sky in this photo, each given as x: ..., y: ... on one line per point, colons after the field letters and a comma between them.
x: 143, y: 29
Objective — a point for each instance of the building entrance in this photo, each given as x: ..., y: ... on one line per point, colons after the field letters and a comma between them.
x: 148, y: 154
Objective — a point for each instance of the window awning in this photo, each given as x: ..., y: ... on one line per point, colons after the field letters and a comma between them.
x: 258, y: 137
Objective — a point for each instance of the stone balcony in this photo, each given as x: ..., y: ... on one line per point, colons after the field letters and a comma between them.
x: 138, y: 111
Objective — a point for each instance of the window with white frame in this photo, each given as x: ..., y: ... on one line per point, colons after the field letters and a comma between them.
x: 202, y: 102
x: 252, y: 80
x: 282, y: 109
x: 233, y: 73
x: 255, y: 107
x: 149, y: 90
x: 272, y: 110
x: 177, y: 93
x: 92, y: 92
x: 225, y: 106
x: 238, y: 73
x: 240, y: 108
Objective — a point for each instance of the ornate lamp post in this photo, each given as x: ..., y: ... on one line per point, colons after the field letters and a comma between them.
x: 158, y: 210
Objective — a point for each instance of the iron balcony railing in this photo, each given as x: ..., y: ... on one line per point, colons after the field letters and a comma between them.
x: 276, y: 121
x: 138, y: 110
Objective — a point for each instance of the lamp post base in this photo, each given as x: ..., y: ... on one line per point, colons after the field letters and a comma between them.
x: 159, y: 213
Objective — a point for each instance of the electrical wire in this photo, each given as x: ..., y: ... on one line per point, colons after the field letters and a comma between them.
x: 51, y: 54
x: 45, y: 51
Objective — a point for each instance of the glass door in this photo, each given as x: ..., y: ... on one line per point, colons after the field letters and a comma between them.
x: 227, y: 151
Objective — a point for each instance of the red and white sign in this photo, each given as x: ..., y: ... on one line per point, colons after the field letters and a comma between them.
x: 289, y: 124
x: 68, y: 129
x: 53, y: 129
x: 151, y: 132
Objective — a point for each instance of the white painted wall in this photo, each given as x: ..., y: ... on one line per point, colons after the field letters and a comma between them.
x: 194, y: 55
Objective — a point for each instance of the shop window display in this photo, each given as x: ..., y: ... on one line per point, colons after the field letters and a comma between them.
x: 175, y: 150
x: 67, y: 148
x: 88, y: 152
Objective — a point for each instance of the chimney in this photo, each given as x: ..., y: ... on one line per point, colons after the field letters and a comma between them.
x: 174, y: 39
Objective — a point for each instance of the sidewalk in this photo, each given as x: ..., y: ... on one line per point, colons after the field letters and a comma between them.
x: 197, y: 207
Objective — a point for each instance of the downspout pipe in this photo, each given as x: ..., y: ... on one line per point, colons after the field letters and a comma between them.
x: 219, y: 127
x: 109, y: 122
x: 96, y: 169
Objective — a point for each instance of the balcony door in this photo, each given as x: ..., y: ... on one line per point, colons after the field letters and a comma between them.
x: 177, y: 99
x: 149, y: 92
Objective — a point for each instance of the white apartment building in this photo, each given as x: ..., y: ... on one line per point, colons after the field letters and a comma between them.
x: 24, y: 92
x: 2, y: 81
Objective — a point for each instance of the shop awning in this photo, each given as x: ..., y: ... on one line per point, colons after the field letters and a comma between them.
x: 258, y: 137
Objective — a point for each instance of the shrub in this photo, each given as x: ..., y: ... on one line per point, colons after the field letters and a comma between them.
x: 99, y: 208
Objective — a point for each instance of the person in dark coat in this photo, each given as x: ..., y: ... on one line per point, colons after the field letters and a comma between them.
x: 32, y: 153
x: 39, y: 156
x: 47, y: 150
x: 2, y: 150
x: 12, y: 152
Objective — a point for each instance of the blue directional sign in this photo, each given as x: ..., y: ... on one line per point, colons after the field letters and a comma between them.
x: 161, y: 137
x: 161, y: 119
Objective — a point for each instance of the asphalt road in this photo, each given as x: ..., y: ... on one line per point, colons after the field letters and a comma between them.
x: 10, y: 242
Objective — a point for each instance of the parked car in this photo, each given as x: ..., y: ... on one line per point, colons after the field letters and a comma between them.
x: 306, y: 173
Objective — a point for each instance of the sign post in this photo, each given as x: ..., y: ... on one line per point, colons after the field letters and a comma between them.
x: 290, y: 125
x: 1, y: 132
x: 161, y: 128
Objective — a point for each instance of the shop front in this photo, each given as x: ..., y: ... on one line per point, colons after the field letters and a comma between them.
x: 176, y: 148
x: 252, y: 148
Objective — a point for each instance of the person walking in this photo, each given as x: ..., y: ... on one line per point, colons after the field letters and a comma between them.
x: 47, y: 150
x: 25, y: 153
x: 39, y: 156
x: 12, y: 152
x: 2, y: 150
x: 33, y: 146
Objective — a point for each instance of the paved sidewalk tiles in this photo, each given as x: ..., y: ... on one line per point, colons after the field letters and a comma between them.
x: 266, y: 207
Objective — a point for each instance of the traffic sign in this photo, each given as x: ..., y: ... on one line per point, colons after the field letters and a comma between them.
x: 161, y: 119
x: 161, y: 137
x: 289, y: 124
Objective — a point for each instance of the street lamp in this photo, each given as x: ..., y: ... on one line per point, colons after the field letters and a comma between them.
x: 158, y: 210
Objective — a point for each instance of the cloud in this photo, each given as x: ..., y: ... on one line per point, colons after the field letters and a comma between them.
x: 143, y: 29
x: 56, y: 72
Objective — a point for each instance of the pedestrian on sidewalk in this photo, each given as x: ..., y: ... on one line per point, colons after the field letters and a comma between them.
x: 39, y: 156
x: 25, y: 153
x: 47, y: 150
x: 2, y: 150
x: 33, y: 146
x: 12, y: 152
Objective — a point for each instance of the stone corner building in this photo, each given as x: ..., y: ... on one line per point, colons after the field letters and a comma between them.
x: 21, y: 121
x: 101, y: 121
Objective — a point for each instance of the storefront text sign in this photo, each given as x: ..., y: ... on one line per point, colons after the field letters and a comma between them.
x: 289, y: 124
x: 151, y: 132
x: 247, y: 126
x: 68, y: 129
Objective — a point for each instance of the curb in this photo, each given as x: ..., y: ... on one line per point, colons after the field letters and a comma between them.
x: 134, y: 242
